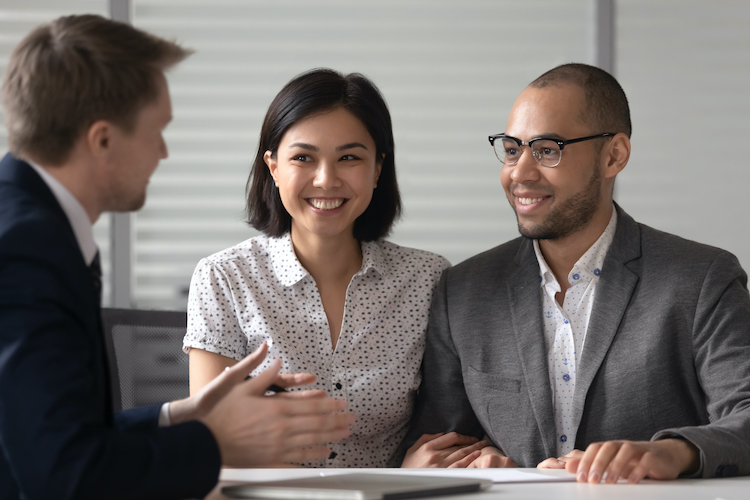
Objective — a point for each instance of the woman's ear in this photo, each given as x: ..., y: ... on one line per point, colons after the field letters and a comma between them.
x: 270, y: 160
x: 378, y: 169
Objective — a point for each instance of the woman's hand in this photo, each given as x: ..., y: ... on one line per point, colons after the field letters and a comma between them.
x: 443, y: 450
x: 491, y: 457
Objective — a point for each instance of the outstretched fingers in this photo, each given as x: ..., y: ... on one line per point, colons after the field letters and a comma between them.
x: 241, y: 369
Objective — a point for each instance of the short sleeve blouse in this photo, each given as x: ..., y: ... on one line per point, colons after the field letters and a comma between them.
x: 258, y: 291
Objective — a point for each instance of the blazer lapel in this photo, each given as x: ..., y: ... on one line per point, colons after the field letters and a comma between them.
x: 528, y: 328
x: 614, y: 290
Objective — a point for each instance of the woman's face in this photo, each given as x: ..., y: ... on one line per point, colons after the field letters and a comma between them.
x: 326, y: 168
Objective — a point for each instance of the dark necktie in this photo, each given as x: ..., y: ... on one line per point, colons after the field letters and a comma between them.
x: 110, y: 362
x: 96, y: 275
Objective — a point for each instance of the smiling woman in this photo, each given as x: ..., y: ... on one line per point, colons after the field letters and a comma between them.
x: 321, y: 286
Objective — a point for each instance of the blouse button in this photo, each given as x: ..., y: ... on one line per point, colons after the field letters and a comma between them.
x: 332, y: 455
x: 338, y: 385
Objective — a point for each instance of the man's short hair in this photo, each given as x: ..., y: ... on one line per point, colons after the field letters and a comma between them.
x: 74, y: 71
x: 315, y: 92
x: 606, y: 108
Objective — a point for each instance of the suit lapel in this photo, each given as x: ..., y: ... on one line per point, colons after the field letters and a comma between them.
x: 614, y: 291
x: 526, y: 314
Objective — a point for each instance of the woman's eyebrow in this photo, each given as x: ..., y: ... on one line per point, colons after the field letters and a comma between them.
x: 351, y: 145
x: 303, y: 145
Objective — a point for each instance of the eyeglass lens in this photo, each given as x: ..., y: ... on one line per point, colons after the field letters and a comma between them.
x: 547, y: 153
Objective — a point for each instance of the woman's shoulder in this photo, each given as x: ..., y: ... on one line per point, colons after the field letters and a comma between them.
x: 411, y: 257
x: 251, y: 250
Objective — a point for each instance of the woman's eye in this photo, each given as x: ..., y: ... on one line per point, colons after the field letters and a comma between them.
x: 301, y: 158
x: 349, y: 158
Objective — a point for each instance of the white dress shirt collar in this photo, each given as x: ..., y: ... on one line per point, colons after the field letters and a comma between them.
x: 588, y: 267
x: 75, y: 212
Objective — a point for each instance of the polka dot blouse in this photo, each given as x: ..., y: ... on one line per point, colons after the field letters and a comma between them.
x: 258, y: 291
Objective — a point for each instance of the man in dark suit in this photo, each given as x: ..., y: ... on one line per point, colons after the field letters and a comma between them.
x: 592, y: 342
x: 86, y: 102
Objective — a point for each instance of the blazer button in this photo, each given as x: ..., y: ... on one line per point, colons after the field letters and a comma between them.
x: 338, y: 385
x: 726, y: 470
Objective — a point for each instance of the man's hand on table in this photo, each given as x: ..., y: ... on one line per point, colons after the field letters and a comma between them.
x: 631, y: 460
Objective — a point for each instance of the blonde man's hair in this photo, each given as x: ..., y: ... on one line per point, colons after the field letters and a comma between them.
x: 74, y: 71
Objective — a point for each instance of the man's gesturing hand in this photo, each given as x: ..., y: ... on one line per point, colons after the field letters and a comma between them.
x: 254, y: 430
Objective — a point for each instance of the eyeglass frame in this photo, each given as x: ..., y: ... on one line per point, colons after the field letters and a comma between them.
x: 560, y: 142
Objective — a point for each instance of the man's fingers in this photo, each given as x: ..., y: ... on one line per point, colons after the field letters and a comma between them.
x: 318, y: 423
x: 572, y: 465
x: 638, y: 473
x: 311, y: 406
x: 319, y: 437
x: 551, y: 463
x: 585, y: 464
x: 312, y: 393
x: 600, y: 462
x: 248, y: 363
x: 258, y: 384
x: 287, y: 380
x: 619, y: 465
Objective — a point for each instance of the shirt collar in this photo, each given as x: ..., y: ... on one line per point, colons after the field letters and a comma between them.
x: 74, y: 211
x: 589, y: 266
x: 373, y: 258
x: 289, y: 271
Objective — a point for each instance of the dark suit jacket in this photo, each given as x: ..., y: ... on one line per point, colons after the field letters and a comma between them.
x: 667, y: 352
x: 58, y: 436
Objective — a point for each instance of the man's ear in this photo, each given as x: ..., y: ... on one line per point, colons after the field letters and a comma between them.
x: 615, y: 155
x: 99, y: 138
x: 268, y: 157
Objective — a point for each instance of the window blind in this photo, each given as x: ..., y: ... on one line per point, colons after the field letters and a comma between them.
x: 449, y: 71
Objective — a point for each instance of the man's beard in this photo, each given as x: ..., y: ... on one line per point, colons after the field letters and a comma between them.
x: 573, y: 215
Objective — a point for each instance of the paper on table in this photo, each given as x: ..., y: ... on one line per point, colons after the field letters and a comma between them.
x: 494, y: 475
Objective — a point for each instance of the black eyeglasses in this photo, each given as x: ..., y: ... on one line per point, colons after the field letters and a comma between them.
x: 547, y: 152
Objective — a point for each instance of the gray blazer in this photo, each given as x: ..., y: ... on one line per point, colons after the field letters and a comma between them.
x: 667, y: 352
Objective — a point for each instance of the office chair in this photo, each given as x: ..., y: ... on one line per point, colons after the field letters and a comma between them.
x: 148, y: 365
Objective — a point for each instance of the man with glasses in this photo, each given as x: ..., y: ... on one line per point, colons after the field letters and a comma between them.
x: 592, y: 342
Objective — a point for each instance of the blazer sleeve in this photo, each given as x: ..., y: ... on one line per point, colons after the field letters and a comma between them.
x: 721, y: 345
x: 57, y: 439
x: 442, y: 404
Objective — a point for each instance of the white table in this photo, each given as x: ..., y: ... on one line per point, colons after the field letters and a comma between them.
x: 681, y: 489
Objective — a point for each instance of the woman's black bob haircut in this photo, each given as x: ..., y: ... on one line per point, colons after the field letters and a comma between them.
x: 318, y: 91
